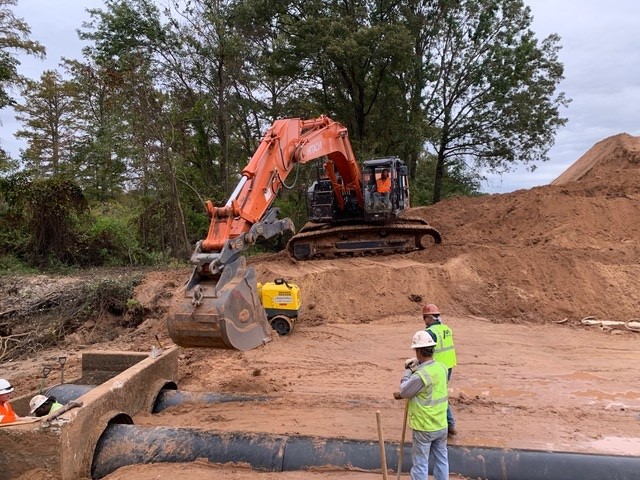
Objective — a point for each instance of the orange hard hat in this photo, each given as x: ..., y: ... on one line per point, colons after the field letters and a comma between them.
x: 430, y: 309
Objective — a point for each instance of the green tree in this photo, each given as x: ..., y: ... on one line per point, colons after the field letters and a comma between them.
x: 52, y: 230
x: 353, y: 55
x: 48, y: 114
x: 14, y: 40
x: 459, y: 181
x: 493, y: 100
x: 161, y: 111
x: 102, y: 149
x: 198, y: 53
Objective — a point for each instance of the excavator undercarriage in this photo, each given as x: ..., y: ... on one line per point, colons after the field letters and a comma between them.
x: 316, y: 241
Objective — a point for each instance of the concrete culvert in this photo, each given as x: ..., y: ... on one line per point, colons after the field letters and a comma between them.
x: 123, y: 445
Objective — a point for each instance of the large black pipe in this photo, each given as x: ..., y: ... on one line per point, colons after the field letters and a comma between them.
x: 66, y: 392
x: 171, y: 398
x: 122, y: 445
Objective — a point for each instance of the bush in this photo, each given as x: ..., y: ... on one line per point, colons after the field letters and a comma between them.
x: 109, y: 295
x: 43, y: 320
x: 12, y: 264
x: 109, y: 237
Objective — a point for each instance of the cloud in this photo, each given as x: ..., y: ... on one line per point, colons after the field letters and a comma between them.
x: 601, y: 55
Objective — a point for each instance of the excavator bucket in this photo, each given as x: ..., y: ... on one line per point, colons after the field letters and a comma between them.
x: 220, y: 312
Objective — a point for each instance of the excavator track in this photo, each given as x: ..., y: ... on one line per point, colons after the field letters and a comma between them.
x: 317, y: 241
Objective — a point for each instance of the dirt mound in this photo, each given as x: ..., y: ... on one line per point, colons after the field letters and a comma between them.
x: 607, y: 159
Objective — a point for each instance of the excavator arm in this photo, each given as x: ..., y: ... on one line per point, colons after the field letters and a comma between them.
x: 245, y: 217
x: 219, y: 306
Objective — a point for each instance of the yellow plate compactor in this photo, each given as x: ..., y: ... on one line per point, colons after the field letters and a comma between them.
x: 281, y: 301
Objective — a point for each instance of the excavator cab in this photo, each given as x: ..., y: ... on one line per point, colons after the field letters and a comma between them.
x: 386, y: 189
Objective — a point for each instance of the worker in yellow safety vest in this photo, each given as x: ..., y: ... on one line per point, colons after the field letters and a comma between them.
x: 41, y: 405
x: 424, y: 384
x: 445, y: 351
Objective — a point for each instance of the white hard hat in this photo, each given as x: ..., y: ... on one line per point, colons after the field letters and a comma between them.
x: 5, y: 387
x: 36, y: 401
x: 422, y: 339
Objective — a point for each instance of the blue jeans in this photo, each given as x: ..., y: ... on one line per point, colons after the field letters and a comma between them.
x: 450, y: 420
x: 424, y: 443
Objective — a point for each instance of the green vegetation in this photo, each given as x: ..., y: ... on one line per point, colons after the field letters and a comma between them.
x: 167, y: 104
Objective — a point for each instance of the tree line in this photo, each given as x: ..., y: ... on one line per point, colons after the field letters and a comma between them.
x: 168, y: 103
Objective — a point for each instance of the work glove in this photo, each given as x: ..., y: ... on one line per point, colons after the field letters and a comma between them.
x: 411, y: 363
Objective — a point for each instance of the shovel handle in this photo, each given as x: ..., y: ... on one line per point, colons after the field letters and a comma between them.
x: 383, y: 456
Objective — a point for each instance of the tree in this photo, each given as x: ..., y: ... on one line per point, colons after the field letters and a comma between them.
x: 42, y: 236
x: 102, y: 148
x: 493, y: 101
x: 353, y: 55
x: 48, y: 114
x: 14, y: 39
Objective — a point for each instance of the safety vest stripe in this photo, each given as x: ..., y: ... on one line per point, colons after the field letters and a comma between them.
x: 430, y: 402
x: 444, y: 349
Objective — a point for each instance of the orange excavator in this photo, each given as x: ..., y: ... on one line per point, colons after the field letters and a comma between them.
x: 353, y: 210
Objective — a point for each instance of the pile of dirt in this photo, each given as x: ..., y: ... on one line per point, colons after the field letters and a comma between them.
x: 613, y: 157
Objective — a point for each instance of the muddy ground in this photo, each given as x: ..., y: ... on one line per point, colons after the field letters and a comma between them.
x: 515, y: 277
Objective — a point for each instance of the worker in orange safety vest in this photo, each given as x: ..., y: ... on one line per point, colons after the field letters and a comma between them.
x: 7, y: 415
x: 383, y: 184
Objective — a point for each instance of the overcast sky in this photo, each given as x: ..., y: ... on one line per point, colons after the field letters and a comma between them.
x: 600, y: 52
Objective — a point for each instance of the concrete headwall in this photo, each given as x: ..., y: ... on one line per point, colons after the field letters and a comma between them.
x: 128, y: 383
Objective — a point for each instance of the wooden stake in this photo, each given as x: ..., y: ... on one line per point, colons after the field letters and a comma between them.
x: 383, y: 454
x: 404, y: 432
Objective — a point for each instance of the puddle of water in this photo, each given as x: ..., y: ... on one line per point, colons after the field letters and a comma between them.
x: 618, y: 445
x: 600, y: 395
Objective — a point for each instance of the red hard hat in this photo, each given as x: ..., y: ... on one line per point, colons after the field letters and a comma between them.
x: 430, y: 309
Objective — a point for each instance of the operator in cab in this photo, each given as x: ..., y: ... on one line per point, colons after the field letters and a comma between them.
x: 383, y: 184
x: 383, y: 189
